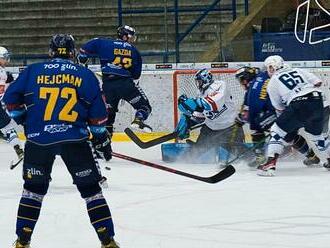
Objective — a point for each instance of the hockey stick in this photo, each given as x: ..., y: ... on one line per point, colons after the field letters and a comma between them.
x: 14, y: 164
x: 154, y: 142
x: 223, y: 174
x: 242, y: 154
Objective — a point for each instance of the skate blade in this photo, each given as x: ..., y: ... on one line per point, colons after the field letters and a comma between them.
x: 268, y: 173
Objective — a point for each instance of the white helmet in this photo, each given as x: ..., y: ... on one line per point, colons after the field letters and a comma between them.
x: 273, y: 64
x: 4, y: 54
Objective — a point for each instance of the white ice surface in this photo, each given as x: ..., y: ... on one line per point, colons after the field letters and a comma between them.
x: 156, y: 209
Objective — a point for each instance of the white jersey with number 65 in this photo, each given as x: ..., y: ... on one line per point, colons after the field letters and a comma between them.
x: 289, y: 83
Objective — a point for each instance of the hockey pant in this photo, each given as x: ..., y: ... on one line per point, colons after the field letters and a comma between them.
x: 303, y: 112
x: 119, y: 88
x: 79, y: 160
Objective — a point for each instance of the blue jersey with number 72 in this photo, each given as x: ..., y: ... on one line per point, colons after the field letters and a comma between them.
x: 58, y: 99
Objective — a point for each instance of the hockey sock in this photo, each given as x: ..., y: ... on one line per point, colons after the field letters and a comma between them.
x: 99, y: 213
x: 28, y: 211
x: 300, y: 144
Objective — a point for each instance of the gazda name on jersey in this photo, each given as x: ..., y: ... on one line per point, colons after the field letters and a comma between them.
x: 124, y: 52
x: 59, y: 79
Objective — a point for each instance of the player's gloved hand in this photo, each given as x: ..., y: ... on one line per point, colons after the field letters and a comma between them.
x: 241, y: 118
x: 183, y: 127
x: 82, y: 59
x: 102, y: 145
x: 18, y: 114
x: 188, y: 105
x: 10, y: 77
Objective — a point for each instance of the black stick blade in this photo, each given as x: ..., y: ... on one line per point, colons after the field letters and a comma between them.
x: 222, y: 175
x: 150, y: 143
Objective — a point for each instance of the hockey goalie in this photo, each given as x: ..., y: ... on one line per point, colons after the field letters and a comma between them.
x: 220, y: 136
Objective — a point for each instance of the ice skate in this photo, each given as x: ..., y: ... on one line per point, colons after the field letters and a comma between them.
x: 268, y: 168
x: 311, y: 159
x: 24, y: 240
x: 138, y: 123
x: 106, y: 240
x: 327, y: 164
x: 259, y: 159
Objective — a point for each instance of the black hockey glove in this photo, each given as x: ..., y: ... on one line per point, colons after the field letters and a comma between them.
x: 102, y: 145
x: 10, y: 77
x: 82, y: 59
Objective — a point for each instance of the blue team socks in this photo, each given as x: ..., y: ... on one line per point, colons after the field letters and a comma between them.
x: 28, y: 211
x: 99, y: 213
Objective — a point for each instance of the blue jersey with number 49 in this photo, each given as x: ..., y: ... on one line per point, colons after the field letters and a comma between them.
x: 61, y: 100
x: 117, y: 57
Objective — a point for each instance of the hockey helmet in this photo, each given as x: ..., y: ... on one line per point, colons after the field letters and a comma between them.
x: 203, y: 79
x: 273, y: 64
x: 126, y: 33
x: 62, y: 46
x: 246, y: 74
x: 4, y: 54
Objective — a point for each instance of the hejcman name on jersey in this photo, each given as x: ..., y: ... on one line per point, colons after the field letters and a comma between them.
x: 59, y: 79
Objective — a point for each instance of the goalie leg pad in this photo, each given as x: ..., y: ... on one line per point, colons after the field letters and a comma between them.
x: 186, y: 153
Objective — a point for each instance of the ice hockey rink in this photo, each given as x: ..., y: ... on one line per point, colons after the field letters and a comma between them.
x: 157, y: 209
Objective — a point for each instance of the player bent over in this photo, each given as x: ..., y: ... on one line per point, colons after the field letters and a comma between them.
x: 297, y: 97
x: 59, y: 102
x: 216, y: 109
x: 7, y: 126
x: 121, y: 63
x: 260, y: 114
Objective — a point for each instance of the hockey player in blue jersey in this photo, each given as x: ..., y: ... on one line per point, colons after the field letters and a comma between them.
x: 59, y: 103
x: 261, y: 115
x: 121, y: 63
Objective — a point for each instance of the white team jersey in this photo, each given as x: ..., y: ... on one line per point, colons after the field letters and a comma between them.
x: 223, y: 112
x: 3, y: 79
x: 289, y: 83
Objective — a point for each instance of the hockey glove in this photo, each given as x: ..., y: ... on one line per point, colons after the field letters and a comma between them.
x: 183, y: 127
x: 102, y: 145
x: 18, y: 115
x: 10, y: 77
x: 189, y: 105
x: 242, y: 118
x: 82, y: 59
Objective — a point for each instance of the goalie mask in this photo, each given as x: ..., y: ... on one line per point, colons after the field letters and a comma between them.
x: 273, y: 64
x: 245, y: 75
x: 203, y: 79
x: 62, y: 46
x: 4, y: 54
x: 126, y: 33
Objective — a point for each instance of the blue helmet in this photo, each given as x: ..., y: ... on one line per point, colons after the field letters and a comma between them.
x: 62, y: 46
x: 203, y: 79
x: 126, y: 33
